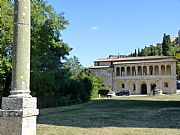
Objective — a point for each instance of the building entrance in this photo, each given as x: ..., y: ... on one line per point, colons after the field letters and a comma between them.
x: 143, y: 89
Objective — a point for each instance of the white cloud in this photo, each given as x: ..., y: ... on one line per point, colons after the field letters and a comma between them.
x: 94, y: 28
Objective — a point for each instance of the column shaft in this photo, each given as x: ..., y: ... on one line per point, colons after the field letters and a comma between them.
x: 21, y: 49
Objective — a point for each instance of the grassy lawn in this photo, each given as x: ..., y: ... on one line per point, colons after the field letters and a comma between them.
x: 158, y: 115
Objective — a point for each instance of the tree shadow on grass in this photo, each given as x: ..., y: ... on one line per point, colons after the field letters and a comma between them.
x: 115, y: 113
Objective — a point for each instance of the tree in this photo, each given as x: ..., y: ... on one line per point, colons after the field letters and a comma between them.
x: 167, y: 45
x: 6, y: 22
x: 135, y: 53
x: 159, y: 49
x: 145, y: 52
x: 139, y: 53
x: 48, y: 78
x: 178, y: 70
x: 74, y: 66
x: 48, y: 49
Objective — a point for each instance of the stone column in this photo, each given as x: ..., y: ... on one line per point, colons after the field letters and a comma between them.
x: 21, y: 50
x: 148, y: 72
x: 136, y: 69
x: 159, y: 69
x: 125, y: 70
x: 148, y: 87
x: 131, y: 72
x: 113, y: 77
x: 19, y: 110
x: 142, y: 70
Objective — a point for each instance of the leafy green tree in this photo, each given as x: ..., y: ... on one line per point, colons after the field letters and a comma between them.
x: 159, y: 49
x: 97, y: 85
x: 145, y: 52
x: 178, y: 70
x: 6, y: 22
x: 48, y: 78
x: 153, y: 51
x: 48, y: 50
x: 74, y: 66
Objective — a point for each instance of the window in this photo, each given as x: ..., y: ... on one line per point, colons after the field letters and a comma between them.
x: 139, y: 70
x: 122, y: 71
x: 123, y: 86
x: 134, y: 87
x: 151, y: 70
x: 128, y: 71
x: 162, y: 70
x: 168, y: 69
x: 144, y: 70
x: 165, y: 85
x: 117, y: 71
x: 156, y: 70
x: 133, y: 71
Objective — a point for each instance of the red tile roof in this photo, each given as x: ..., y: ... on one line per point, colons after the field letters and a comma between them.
x: 118, y: 59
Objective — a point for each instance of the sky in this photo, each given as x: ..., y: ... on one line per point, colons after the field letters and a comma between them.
x: 99, y: 28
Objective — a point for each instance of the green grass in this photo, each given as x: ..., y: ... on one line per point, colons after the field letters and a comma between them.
x: 151, y: 115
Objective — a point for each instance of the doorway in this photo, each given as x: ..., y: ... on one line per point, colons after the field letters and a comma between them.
x: 143, y: 89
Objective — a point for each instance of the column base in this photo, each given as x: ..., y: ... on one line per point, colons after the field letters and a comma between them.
x: 18, y: 116
x: 18, y: 125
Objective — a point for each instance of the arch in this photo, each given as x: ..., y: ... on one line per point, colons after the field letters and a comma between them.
x: 144, y: 70
x: 133, y: 71
x: 162, y: 70
x: 168, y: 69
x: 117, y: 71
x: 156, y: 70
x: 144, y: 89
x: 151, y: 70
x: 122, y: 71
x: 139, y: 70
x: 128, y: 71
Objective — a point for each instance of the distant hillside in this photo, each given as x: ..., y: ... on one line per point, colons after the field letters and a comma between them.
x: 170, y: 46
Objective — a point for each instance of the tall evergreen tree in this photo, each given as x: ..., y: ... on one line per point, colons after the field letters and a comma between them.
x: 139, y: 53
x: 135, y: 53
x: 167, y: 45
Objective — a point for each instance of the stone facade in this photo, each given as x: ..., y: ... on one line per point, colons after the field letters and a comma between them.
x: 139, y: 74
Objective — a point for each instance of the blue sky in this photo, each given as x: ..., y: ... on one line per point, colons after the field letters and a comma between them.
x: 99, y: 28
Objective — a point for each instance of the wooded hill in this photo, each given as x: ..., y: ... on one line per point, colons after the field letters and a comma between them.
x: 170, y: 46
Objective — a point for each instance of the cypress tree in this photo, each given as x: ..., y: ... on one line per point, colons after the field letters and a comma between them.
x: 166, y: 45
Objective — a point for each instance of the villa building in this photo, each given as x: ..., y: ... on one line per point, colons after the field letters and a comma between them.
x: 139, y: 74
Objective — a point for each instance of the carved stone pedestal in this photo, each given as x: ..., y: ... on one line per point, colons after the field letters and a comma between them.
x: 18, y: 116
